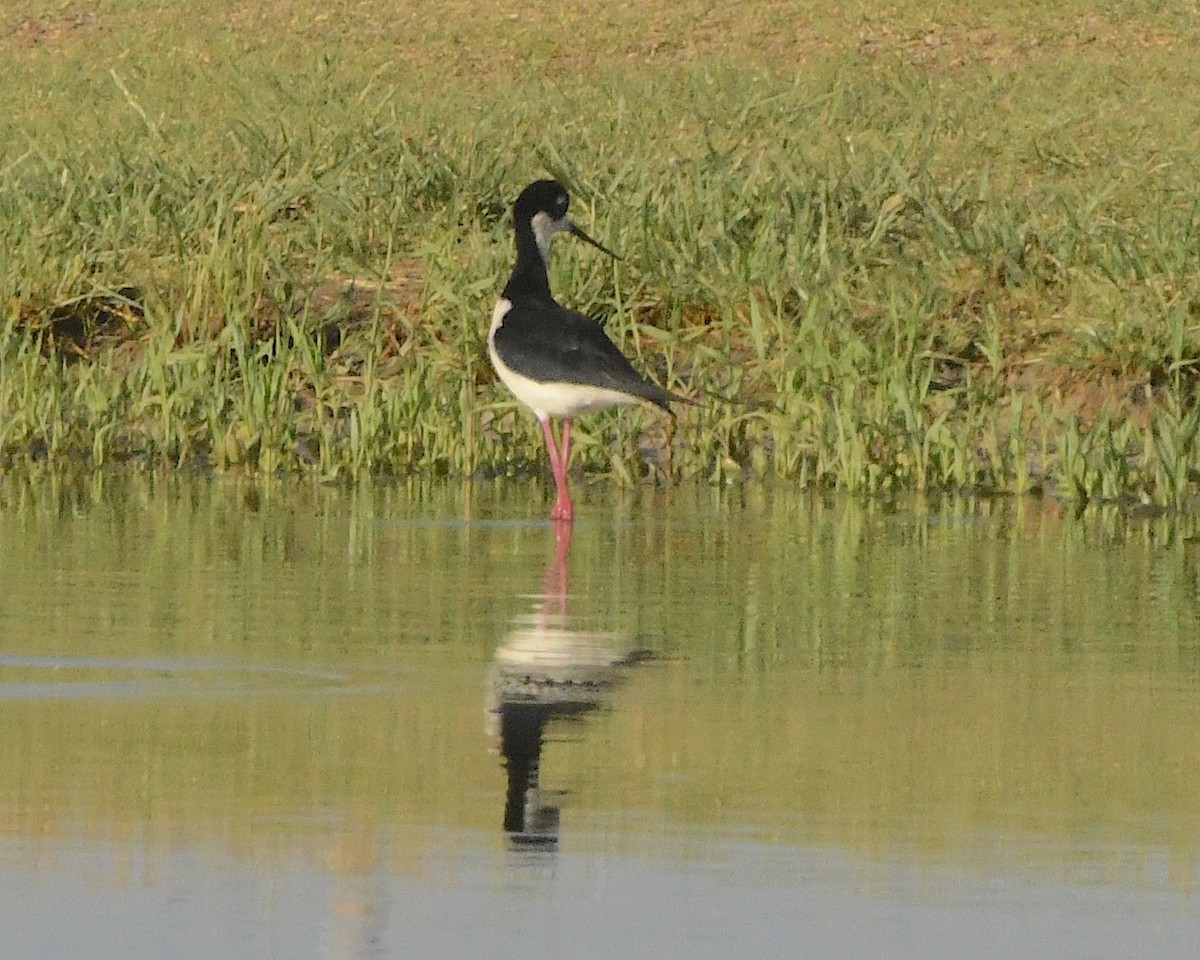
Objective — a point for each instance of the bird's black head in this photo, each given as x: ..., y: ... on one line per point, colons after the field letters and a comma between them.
x: 541, y: 209
x: 542, y: 196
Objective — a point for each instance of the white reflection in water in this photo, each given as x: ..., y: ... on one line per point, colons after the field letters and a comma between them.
x: 120, y: 678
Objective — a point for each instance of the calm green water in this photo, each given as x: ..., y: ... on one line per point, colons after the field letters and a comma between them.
x: 245, y: 719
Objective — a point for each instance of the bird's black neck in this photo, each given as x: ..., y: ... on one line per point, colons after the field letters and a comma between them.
x: 529, y: 280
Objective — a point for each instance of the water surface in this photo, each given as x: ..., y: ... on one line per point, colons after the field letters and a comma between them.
x: 246, y: 719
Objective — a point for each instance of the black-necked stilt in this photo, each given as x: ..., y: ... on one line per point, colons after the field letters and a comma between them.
x: 556, y: 361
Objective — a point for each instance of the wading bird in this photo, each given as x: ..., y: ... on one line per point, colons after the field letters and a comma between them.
x: 557, y: 362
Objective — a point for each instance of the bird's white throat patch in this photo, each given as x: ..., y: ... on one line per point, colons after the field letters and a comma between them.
x: 544, y: 228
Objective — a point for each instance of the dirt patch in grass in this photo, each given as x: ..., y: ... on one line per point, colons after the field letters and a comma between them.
x: 342, y: 306
x: 336, y: 309
x: 48, y: 32
x: 83, y: 327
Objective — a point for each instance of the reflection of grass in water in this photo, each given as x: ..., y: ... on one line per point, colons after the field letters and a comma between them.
x: 892, y: 681
x: 959, y: 763
x: 835, y: 673
x: 932, y: 247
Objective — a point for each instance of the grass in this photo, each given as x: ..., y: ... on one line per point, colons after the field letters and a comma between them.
x: 936, y: 248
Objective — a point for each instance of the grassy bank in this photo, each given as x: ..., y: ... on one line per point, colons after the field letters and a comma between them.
x: 959, y: 251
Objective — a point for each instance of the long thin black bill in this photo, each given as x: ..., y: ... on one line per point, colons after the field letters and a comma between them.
x: 576, y: 232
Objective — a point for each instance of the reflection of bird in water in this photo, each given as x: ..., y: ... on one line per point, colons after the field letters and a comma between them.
x: 543, y: 671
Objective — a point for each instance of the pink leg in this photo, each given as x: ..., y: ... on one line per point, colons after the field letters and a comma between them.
x: 551, y: 447
x: 565, y: 509
x: 555, y: 584
x: 560, y: 457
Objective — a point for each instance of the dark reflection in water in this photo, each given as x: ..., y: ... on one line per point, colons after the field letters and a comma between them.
x: 545, y: 671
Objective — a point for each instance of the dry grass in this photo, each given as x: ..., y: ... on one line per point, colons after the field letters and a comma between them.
x: 485, y: 40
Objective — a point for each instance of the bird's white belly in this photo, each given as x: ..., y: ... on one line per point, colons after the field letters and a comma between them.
x: 558, y: 401
x: 555, y: 399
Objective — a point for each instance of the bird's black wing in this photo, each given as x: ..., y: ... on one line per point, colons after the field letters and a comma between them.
x: 552, y: 344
